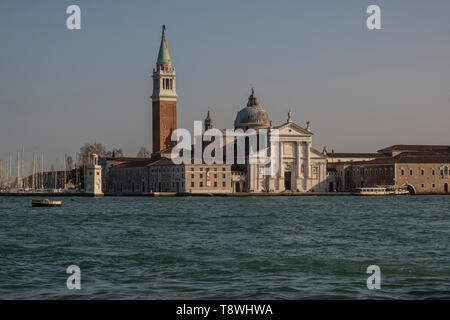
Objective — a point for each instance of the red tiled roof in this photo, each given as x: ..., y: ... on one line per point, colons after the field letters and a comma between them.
x: 410, y: 158
x: 423, y: 158
x: 352, y: 155
x: 161, y: 162
x: 412, y: 147
x: 132, y: 163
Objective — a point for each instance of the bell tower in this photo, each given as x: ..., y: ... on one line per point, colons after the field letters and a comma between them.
x: 164, y: 99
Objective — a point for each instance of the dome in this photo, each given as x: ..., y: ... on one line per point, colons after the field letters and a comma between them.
x: 252, y: 116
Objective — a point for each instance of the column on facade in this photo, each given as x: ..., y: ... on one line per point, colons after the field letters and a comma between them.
x: 308, y: 159
x: 319, y: 180
x: 299, y: 162
x: 281, y: 179
x: 255, y: 177
x: 274, y: 154
x: 281, y: 171
x: 251, y: 177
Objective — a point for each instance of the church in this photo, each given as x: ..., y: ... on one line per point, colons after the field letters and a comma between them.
x: 301, y: 167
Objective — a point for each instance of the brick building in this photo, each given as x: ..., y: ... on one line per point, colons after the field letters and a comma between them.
x: 162, y: 175
x: 424, y: 169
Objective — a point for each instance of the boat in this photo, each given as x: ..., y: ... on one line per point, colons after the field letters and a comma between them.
x: 382, y: 191
x: 397, y: 190
x: 46, y: 203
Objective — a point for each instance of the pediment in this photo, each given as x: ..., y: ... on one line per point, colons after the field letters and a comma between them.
x: 317, y: 154
x: 293, y: 129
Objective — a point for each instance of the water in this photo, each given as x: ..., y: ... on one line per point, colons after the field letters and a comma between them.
x: 226, y: 248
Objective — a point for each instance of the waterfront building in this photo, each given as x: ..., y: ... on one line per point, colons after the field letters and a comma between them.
x: 424, y: 169
x: 162, y: 175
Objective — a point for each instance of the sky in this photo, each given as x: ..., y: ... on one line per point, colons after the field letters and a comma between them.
x: 361, y: 89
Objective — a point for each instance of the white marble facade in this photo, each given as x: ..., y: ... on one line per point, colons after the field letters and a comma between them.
x: 302, y: 168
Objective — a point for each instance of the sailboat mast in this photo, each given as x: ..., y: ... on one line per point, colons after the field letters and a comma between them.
x: 42, y: 171
x: 18, y: 169
x: 33, y: 167
x: 10, y: 168
x: 65, y: 162
x: 21, y: 168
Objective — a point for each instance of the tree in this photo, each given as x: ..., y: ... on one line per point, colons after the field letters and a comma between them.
x: 143, y: 153
x: 99, y: 149
x: 90, y: 148
x: 69, y: 163
x: 115, y: 152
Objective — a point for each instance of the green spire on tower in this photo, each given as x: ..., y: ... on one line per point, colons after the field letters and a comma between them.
x: 163, y: 56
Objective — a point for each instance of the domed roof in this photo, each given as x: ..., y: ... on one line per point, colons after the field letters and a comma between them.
x: 252, y: 116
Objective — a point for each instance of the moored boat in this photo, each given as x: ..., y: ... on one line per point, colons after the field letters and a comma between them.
x: 46, y: 203
x: 375, y: 191
x: 382, y: 191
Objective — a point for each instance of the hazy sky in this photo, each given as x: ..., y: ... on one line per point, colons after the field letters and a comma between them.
x: 362, y: 90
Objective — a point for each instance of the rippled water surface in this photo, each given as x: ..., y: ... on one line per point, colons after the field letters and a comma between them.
x: 226, y: 248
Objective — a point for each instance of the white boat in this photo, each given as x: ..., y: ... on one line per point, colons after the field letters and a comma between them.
x: 382, y: 191
x: 46, y: 203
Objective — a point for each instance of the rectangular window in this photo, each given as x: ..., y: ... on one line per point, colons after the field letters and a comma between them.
x: 192, y: 184
x: 224, y: 184
x: 215, y: 183
x: 201, y: 184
